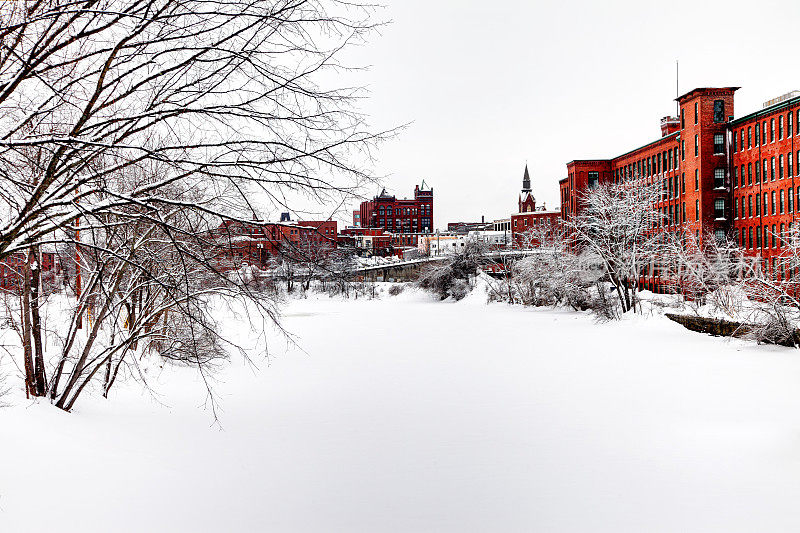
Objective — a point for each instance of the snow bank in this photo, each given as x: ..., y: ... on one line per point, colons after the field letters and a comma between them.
x: 405, y: 414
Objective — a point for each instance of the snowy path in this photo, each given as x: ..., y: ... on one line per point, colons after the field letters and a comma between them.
x: 409, y: 415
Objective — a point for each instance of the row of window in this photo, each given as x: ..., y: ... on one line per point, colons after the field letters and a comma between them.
x: 424, y: 209
x: 764, y: 237
x: 778, y: 200
x: 742, y: 178
x: 666, y: 161
x: 761, y: 139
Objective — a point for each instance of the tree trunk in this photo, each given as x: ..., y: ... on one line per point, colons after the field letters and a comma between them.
x: 36, y: 322
x: 30, y: 388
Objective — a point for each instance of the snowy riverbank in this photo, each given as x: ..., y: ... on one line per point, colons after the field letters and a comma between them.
x: 408, y: 414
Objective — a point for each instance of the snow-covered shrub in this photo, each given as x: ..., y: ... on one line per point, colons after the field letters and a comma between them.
x: 452, y: 277
x: 394, y: 290
x: 459, y: 289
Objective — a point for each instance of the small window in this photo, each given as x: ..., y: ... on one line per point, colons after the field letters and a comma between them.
x: 719, y: 178
x: 719, y: 144
x: 719, y: 235
x: 719, y: 111
x: 719, y: 208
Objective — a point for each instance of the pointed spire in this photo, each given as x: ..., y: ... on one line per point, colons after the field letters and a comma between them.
x: 526, y: 180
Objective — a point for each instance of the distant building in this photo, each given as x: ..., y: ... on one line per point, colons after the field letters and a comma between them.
x: 529, y: 217
x: 409, y: 217
x: 465, y: 227
x: 368, y: 241
x: 503, y: 224
x: 356, y: 219
x: 261, y: 244
x: 11, y: 269
x: 527, y: 203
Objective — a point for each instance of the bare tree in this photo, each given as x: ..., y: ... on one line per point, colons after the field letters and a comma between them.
x: 130, y: 128
x: 619, y: 227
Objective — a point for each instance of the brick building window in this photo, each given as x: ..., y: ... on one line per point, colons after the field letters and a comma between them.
x: 719, y: 111
x: 790, y: 197
x: 741, y: 140
x: 719, y: 234
x: 772, y: 130
x: 683, y: 150
x: 594, y: 180
x: 749, y: 137
x: 789, y: 124
x: 764, y: 133
x: 719, y: 144
x: 695, y: 113
x: 773, y: 242
x: 789, y: 172
x: 741, y: 201
x: 780, y: 166
x: 750, y: 237
x: 772, y: 169
x: 683, y: 118
x: 719, y: 178
x: 697, y: 207
x: 765, y: 204
x: 758, y: 236
x: 696, y: 145
x: 781, y: 201
x: 719, y: 208
x: 758, y: 204
x: 771, y: 203
x: 735, y: 208
x: 749, y: 206
x: 780, y: 127
x: 697, y: 175
x: 749, y: 173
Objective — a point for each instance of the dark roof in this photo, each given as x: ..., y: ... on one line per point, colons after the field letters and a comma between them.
x: 699, y: 89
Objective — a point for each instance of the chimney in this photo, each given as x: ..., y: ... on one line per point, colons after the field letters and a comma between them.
x: 669, y: 125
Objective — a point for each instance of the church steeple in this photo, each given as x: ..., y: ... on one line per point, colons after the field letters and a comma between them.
x: 527, y: 203
x: 526, y: 180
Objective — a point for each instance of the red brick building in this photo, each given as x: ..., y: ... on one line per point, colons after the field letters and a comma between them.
x: 721, y: 175
x: 529, y: 217
x: 368, y: 241
x: 408, y: 217
x: 11, y: 269
x: 261, y: 243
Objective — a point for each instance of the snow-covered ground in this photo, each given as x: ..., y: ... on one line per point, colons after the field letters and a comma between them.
x: 406, y: 414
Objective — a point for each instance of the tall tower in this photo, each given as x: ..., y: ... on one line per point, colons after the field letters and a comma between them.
x: 526, y: 180
x: 527, y: 203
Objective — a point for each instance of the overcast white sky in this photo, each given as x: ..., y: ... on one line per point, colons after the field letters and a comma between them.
x: 491, y: 85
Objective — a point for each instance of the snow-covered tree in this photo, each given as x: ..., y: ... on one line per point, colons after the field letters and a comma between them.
x: 130, y: 129
x: 618, y: 227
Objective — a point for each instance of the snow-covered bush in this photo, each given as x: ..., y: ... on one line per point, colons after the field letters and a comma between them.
x: 453, y: 276
x: 394, y: 290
